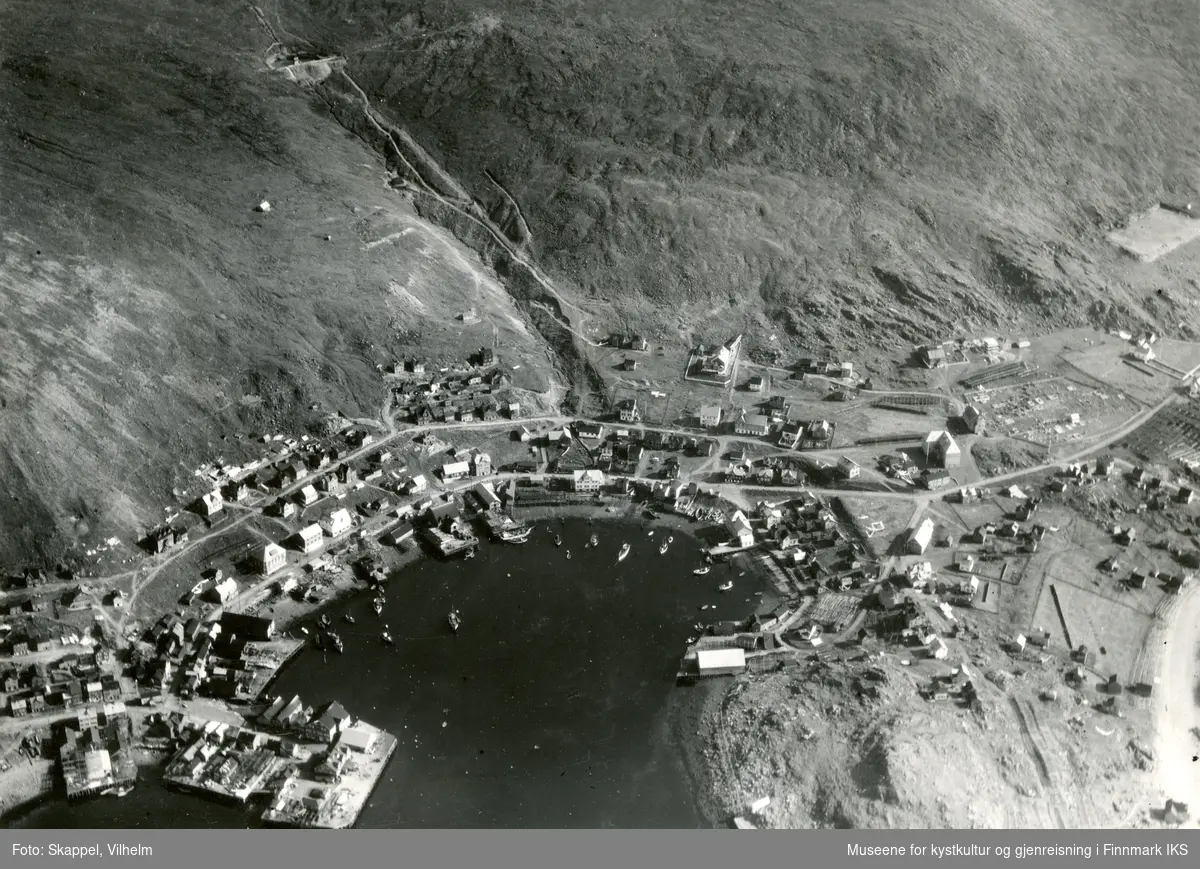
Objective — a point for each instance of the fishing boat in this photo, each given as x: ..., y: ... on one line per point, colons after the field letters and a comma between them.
x: 516, y: 535
x: 124, y: 790
x: 623, y: 553
x: 700, y: 571
x: 568, y: 553
x: 324, y: 621
x: 336, y: 643
x: 349, y: 618
x: 387, y: 638
x: 662, y: 550
x: 557, y: 540
x: 377, y: 605
x: 595, y: 541
x: 725, y: 586
x: 455, y: 620
x: 470, y: 553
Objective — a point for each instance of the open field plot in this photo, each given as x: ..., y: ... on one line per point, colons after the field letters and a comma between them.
x: 1001, y: 455
x: 1171, y: 434
x: 228, y: 553
x: 1044, y: 411
x: 1155, y: 233
x: 1112, y: 624
x: 1108, y: 365
x: 879, y: 520
x: 864, y: 421
x: 1182, y: 356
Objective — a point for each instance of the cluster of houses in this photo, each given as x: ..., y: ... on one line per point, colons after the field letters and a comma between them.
x: 466, y: 394
x: 805, y: 537
x: 239, y: 762
x: 190, y: 657
x: 716, y: 363
x: 774, y: 470
x: 96, y: 755
x: 67, y: 683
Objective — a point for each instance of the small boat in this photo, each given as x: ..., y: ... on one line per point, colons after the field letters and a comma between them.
x: 662, y: 550
x: 700, y: 571
x: 470, y: 553
x: 651, y: 534
x: 124, y: 790
x: 304, y: 631
x: 336, y: 643
x: 516, y: 535
x: 387, y: 638
x: 692, y: 640
x: 725, y: 586
x: 377, y: 605
x: 595, y: 541
x: 349, y: 618
x: 557, y: 540
x: 455, y: 620
x: 324, y: 622
x: 568, y: 553
x: 623, y: 553
x: 671, y: 539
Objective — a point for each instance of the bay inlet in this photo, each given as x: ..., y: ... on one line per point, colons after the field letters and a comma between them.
x: 553, y: 706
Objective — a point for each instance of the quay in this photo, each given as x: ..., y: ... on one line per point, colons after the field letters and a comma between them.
x: 317, y: 803
x: 265, y: 661
x: 450, y: 544
x: 226, y: 764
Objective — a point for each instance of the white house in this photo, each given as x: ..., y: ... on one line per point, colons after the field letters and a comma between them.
x: 739, y: 528
x: 921, y: 537
x: 308, y: 495
x: 358, y: 738
x: 720, y: 662
x: 710, y: 415
x: 628, y: 410
x: 481, y: 464
x: 212, y: 502
x: 455, y: 470
x: 588, y: 481
x: 337, y: 523
x: 225, y: 590
x: 755, y: 425
x: 311, y: 538
x: 937, y: 649
x: 272, y: 559
x: 417, y: 485
x: 849, y: 468
x: 941, y: 450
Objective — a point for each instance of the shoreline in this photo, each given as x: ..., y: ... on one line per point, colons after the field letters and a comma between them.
x: 684, y: 719
x: 1176, y: 650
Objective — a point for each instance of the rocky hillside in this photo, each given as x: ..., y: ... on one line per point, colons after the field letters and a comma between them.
x: 832, y: 172
x: 150, y: 314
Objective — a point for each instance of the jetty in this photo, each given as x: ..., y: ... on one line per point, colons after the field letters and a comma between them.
x: 356, y: 765
x: 451, y: 544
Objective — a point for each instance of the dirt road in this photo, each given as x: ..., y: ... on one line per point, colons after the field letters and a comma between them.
x: 1177, y: 713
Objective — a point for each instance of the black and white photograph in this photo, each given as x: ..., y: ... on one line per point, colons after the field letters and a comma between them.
x: 601, y: 415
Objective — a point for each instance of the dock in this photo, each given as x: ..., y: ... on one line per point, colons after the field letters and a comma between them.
x: 265, y: 660
x: 315, y: 804
x: 449, y: 544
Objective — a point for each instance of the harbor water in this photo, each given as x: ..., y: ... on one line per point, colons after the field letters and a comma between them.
x: 550, y: 708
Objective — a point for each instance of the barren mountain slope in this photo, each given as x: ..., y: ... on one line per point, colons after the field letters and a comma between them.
x: 834, y: 171
x: 147, y: 308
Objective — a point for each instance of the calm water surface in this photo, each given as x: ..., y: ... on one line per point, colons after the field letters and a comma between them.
x: 549, y: 709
